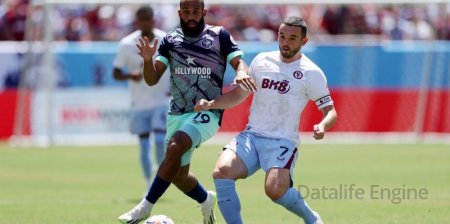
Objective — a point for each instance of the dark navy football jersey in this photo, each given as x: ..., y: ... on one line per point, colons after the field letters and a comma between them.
x: 197, y: 65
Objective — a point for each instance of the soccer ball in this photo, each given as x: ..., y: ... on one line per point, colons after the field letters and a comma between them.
x: 159, y: 219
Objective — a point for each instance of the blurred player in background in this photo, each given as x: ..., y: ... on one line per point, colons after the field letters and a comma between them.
x: 149, y: 105
x: 197, y: 55
x: 286, y: 81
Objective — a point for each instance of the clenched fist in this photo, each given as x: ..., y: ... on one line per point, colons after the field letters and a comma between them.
x: 202, y: 104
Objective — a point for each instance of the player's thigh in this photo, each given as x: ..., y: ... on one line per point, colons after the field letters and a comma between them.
x: 243, y: 146
x: 140, y: 122
x: 200, y: 126
x: 276, y: 153
x: 230, y: 166
x: 277, y: 159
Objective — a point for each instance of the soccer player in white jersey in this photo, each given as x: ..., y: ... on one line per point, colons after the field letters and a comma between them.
x: 149, y: 106
x: 286, y: 80
x: 197, y: 55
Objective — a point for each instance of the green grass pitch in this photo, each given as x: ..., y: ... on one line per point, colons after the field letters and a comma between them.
x: 82, y: 185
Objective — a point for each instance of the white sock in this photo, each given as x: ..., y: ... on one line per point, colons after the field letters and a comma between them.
x: 208, y: 199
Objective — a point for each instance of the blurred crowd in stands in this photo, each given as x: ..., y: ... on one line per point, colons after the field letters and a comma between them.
x: 245, y: 22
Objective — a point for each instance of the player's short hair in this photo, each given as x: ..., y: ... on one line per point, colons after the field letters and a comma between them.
x: 144, y: 11
x: 201, y: 2
x: 296, y: 21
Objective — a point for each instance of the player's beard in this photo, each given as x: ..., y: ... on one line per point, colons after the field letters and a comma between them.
x: 192, y: 32
x: 290, y: 53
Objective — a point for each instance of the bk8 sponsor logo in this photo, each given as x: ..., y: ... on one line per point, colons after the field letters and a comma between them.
x: 281, y: 87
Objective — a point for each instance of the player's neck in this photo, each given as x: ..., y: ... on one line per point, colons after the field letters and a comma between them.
x: 150, y: 36
x: 290, y: 60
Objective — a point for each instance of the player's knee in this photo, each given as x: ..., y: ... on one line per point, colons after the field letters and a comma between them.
x: 175, y: 150
x: 275, y: 192
x: 178, y: 145
x: 223, y: 172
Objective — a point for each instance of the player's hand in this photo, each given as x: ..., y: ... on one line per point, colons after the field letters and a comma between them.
x: 244, y: 80
x: 136, y: 77
x: 319, y: 131
x: 202, y: 104
x: 146, y: 51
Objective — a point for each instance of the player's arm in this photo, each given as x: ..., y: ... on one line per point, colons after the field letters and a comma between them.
x: 242, y: 77
x: 318, y: 92
x: 328, y: 120
x: 152, y: 71
x: 225, y: 101
x: 119, y: 75
x: 230, y: 50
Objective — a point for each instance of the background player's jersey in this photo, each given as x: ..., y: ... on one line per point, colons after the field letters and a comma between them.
x: 197, y: 65
x: 284, y: 89
x: 143, y: 97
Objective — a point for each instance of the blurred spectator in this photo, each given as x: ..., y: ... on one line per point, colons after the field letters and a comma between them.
x: 443, y: 28
x: 14, y: 20
x: 76, y: 28
x: 244, y: 22
x: 418, y: 28
x: 332, y: 19
x: 392, y: 25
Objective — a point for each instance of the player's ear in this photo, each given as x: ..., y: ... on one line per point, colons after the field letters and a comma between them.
x: 204, y: 12
x: 304, y: 40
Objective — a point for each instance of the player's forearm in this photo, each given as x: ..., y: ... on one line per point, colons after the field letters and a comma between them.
x: 230, y: 99
x: 238, y: 64
x: 149, y: 72
x: 241, y: 67
x: 118, y: 75
x: 329, y: 119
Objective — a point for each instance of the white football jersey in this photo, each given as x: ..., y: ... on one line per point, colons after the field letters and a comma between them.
x: 284, y: 89
x: 143, y: 96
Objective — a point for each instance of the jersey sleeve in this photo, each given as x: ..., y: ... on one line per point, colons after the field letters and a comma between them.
x: 318, y: 89
x: 228, y: 46
x: 163, y: 51
x: 252, y: 68
x: 120, y: 60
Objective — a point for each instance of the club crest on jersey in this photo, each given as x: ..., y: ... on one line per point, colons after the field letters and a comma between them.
x: 281, y: 87
x: 207, y: 42
x: 298, y: 74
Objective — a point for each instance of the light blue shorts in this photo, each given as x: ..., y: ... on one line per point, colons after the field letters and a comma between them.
x: 146, y: 121
x: 263, y: 152
x: 199, y: 126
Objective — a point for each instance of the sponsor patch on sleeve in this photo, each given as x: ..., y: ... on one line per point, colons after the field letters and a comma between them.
x: 323, y: 100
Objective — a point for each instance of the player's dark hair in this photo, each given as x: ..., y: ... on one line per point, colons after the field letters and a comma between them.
x: 144, y: 11
x: 201, y: 2
x: 296, y: 21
